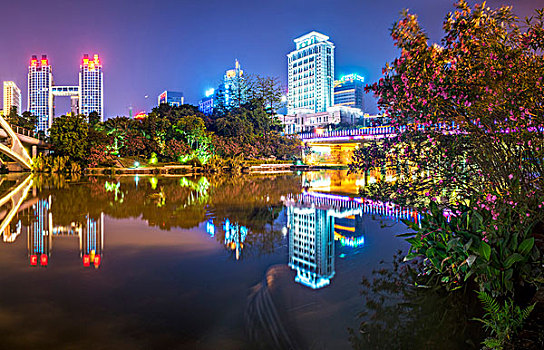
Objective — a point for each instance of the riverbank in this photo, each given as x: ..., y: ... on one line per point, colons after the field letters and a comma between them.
x: 272, y: 168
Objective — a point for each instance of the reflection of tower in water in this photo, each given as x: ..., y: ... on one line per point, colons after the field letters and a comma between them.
x: 311, y: 245
x: 42, y: 230
x: 39, y: 233
x: 91, y: 241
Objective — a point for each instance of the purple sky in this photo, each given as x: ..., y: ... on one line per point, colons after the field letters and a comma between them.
x: 150, y: 46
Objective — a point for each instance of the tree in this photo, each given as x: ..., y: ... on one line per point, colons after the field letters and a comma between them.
x: 68, y: 136
x: 470, y: 121
x: 265, y: 92
x: 94, y: 118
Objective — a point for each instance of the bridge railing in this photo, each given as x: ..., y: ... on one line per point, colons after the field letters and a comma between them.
x: 370, y: 130
x: 26, y: 132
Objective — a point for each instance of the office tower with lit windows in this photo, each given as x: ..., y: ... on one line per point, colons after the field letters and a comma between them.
x: 91, y: 86
x: 231, y: 93
x: 311, y: 74
x: 40, y: 100
x: 12, y: 97
x: 173, y: 98
x: 349, y: 91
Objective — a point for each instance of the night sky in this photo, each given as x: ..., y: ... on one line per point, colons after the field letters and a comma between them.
x: 150, y: 46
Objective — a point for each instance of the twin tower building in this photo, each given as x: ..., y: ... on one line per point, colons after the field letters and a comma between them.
x: 87, y: 97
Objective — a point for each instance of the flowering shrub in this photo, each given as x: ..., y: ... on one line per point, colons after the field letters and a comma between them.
x: 470, y: 126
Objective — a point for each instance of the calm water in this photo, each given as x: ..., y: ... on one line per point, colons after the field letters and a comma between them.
x: 188, y: 262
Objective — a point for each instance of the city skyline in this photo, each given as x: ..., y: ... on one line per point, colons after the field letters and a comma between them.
x: 149, y: 49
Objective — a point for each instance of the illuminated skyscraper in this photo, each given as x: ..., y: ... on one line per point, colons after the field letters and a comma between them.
x: 40, y: 99
x: 311, y: 74
x: 12, y: 97
x: 232, y: 92
x: 173, y: 98
x: 91, y: 85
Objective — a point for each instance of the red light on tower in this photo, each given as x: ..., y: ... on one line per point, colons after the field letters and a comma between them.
x: 33, y: 260
x: 43, y: 259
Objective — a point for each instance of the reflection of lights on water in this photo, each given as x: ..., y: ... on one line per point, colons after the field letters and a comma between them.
x: 115, y: 188
x: 153, y: 181
x: 352, y: 242
x: 210, y: 228
x: 136, y: 180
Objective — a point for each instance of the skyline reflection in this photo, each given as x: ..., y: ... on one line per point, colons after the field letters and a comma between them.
x: 315, y: 220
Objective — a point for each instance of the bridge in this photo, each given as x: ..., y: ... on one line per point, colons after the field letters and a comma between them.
x: 337, y: 147
x: 14, y: 137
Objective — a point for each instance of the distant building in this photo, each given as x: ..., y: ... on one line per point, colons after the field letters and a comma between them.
x: 85, y: 98
x: 231, y: 93
x: 173, y: 98
x: 308, y: 122
x: 91, y: 86
x: 311, y: 74
x: 12, y: 97
x: 349, y: 91
x: 206, y: 105
x: 40, y: 100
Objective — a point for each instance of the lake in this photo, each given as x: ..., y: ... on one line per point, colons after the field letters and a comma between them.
x: 189, y: 262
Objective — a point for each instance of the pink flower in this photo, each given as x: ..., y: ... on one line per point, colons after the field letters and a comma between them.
x: 510, y: 176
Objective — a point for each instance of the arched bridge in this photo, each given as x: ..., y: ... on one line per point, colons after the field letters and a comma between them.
x: 12, y: 143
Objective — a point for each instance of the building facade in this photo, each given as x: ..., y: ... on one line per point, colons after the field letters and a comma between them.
x: 87, y: 97
x: 40, y: 99
x: 231, y: 93
x: 349, y: 91
x: 311, y: 74
x: 309, y: 122
x: 206, y: 105
x: 173, y: 98
x: 91, y: 86
x: 12, y: 97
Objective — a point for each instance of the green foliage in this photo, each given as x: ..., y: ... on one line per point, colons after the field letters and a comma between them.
x: 467, y: 245
x: 501, y: 321
x: 55, y: 164
x: 68, y: 136
x: 26, y: 120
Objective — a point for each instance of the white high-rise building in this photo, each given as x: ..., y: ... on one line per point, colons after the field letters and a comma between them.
x: 91, y: 95
x: 40, y: 99
x: 311, y: 74
x: 12, y: 97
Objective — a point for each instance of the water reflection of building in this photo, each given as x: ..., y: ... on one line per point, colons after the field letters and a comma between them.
x: 311, y: 245
x: 42, y: 231
x: 39, y: 233
x: 315, y: 220
x: 235, y: 235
